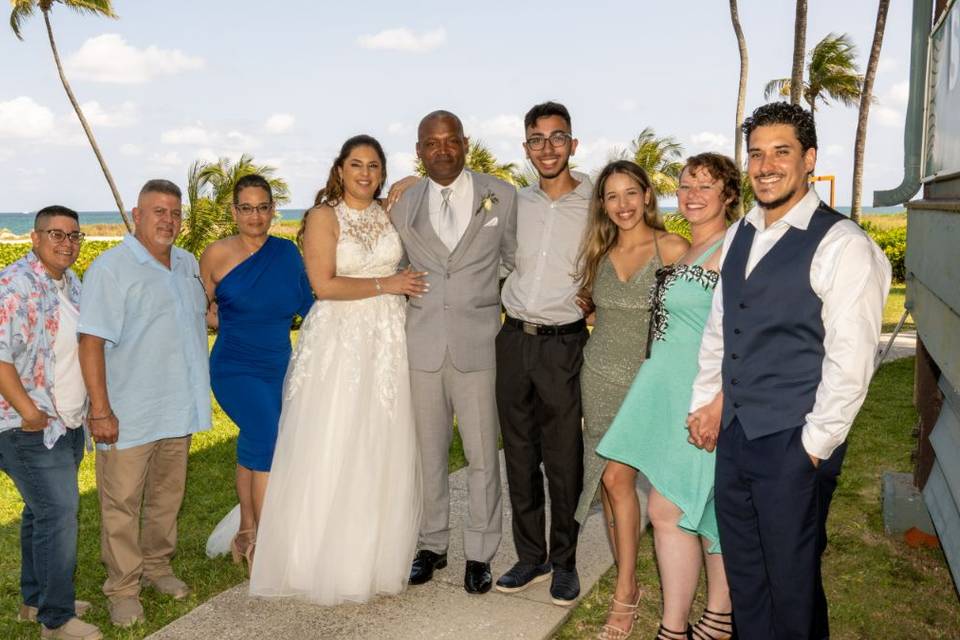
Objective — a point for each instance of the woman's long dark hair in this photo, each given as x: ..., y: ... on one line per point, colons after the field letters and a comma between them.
x: 332, y: 193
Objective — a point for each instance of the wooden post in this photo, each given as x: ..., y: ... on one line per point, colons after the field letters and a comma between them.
x: 928, y: 399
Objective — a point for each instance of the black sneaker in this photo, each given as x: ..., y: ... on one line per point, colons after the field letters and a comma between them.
x: 565, y: 586
x: 522, y: 575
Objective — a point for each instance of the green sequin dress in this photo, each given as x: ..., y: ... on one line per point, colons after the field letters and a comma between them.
x: 611, y: 358
x: 649, y: 432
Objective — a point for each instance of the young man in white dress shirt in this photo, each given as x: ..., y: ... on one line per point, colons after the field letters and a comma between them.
x: 785, y: 363
x: 539, y: 353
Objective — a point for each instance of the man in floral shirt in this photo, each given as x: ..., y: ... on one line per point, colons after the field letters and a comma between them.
x: 41, y: 415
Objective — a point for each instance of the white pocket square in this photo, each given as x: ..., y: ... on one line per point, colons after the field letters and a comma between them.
x: 492, y: 222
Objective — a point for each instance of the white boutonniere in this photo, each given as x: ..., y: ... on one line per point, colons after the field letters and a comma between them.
x: 486, y: 202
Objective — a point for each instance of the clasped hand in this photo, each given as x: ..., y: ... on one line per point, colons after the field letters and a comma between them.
x: 105, y: 430
x: 407, y: 283
x: 704, y: 424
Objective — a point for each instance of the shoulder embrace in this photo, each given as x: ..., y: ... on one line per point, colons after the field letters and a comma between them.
x: 673, y: 245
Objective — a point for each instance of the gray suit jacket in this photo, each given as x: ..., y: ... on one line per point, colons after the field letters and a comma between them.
x: 461, y: 312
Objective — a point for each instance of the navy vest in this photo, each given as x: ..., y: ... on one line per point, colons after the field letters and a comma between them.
x: 772, y: 329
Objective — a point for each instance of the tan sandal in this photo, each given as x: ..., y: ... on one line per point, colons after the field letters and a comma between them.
x: 235, y: 552
x: 610, y: 632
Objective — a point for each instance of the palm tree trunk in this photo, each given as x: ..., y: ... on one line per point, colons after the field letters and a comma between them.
x: 866, y: 95
x: 799, y: 50
x: 83, y: 122
x: 741, y: 92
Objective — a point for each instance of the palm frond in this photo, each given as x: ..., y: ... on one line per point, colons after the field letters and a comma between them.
x: 22, y: 9
x: 93, y: 7
x: 779, y: 87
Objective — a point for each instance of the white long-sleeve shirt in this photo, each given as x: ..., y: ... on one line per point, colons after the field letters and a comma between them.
x: 851, y: 276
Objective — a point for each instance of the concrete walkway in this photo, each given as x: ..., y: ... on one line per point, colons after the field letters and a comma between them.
x: 440, y: 609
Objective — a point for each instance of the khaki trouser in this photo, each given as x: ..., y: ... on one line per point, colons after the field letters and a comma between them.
x: 153, y: 476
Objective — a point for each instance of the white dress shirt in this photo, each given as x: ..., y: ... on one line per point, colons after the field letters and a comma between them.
x: 542, y: 288
x: 461, y: 202
x: 851, y: 276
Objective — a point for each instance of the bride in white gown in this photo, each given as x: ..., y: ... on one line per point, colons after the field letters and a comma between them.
x: 342, y: 508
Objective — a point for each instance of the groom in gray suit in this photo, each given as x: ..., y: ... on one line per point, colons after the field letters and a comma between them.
x: 459, y: 227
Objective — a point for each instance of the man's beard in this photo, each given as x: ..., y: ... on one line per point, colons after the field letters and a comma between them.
x: 778, y: 202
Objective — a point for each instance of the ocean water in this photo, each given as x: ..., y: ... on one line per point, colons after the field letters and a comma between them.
x: 21, y: 223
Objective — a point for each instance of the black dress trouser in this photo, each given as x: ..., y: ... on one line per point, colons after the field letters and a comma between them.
x: 538, y: 401
x: 772, y: 507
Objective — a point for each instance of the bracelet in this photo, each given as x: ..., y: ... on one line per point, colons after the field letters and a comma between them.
x: 376, y: 282
x: 103, y: 417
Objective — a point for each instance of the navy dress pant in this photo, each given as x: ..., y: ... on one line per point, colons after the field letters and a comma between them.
x: 772, y: 506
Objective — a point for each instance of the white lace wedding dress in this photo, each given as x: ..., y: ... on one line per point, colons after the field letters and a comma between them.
x: 342, y: 509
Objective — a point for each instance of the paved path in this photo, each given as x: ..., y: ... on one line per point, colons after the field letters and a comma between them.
x: 440, y: 609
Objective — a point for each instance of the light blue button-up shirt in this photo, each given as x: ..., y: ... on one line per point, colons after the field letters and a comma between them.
x: 152, y: 319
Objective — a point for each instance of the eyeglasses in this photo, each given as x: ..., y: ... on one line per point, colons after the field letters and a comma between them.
x: 248, y: 210
x: 57, y: 236
x: 557, y: 139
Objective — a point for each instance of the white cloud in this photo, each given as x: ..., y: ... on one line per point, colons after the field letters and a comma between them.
x: 24, y: 118
x: 710, y: 141
x: 125, y: 115
x: 238, y: 140
x: 887, y: 116
x: 279, y: 123
x: 398, y: 128
x: 898, y: 94
x: 505, y: 125
x: 887, y: 64
x: 403, y: 39
x: 130, y: 150
x: 192, y: 134
x: 400, y: 164
x: 168, y: 159
x: 834, y: 150
x: 109, y: 58
x: 629, y: 104
x: 6, y: 154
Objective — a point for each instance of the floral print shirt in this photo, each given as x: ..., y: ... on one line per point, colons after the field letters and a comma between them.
x: 29, y: 320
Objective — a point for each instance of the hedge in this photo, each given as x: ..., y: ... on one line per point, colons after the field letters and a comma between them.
x: 892, y: 241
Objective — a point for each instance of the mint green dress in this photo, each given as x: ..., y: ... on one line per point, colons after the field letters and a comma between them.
x: 649, y: 432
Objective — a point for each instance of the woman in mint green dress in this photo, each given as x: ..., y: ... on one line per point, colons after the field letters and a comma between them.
x: 649, y: 433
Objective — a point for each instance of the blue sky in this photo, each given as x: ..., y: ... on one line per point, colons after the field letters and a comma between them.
x: 174, y: 81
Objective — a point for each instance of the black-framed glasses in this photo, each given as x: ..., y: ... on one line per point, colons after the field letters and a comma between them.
x: 557, y: 139
x: 249, y: 209
x: 58, y: 236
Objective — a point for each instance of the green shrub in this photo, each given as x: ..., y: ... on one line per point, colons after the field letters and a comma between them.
x: 10, y: 253
x: 894, y: 244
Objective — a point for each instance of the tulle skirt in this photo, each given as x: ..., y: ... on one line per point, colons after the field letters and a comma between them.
x: 342, y: 511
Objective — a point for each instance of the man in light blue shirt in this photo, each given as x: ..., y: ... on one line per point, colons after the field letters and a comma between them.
x: 143, y: 351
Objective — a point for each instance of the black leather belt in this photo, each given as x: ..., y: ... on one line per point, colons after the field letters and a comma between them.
x: 534, y: 329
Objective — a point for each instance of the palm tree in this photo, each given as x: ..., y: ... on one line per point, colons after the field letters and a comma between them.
x: 742, y: 91
x: 860, y: 141
x: 659, y: 157
x: 23, y: 9
x: 832, y: 74
x: 799, y: 47
x: 481, y: 160
x: 210, y: 194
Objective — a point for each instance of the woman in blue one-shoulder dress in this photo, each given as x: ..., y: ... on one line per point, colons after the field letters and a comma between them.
x: 259, y: 284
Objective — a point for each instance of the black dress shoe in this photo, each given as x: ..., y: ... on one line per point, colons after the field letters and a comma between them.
x: 424, y: 564
x: 522, y: 575
x: 477, y: 578
x: 565, y: 586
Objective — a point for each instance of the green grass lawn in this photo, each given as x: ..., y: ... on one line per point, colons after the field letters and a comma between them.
x: 894, y: 309
x: 878, y: 587
x: 210, y: 495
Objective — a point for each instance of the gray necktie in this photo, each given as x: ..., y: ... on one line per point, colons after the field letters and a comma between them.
x: 448, y: 225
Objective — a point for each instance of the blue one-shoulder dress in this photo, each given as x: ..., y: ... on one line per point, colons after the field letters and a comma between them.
x: 256, y: 303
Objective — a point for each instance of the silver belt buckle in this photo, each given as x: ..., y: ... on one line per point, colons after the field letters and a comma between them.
x: 530, y: 329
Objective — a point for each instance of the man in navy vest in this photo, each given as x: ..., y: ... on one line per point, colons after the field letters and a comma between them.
x: 790, y: 343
